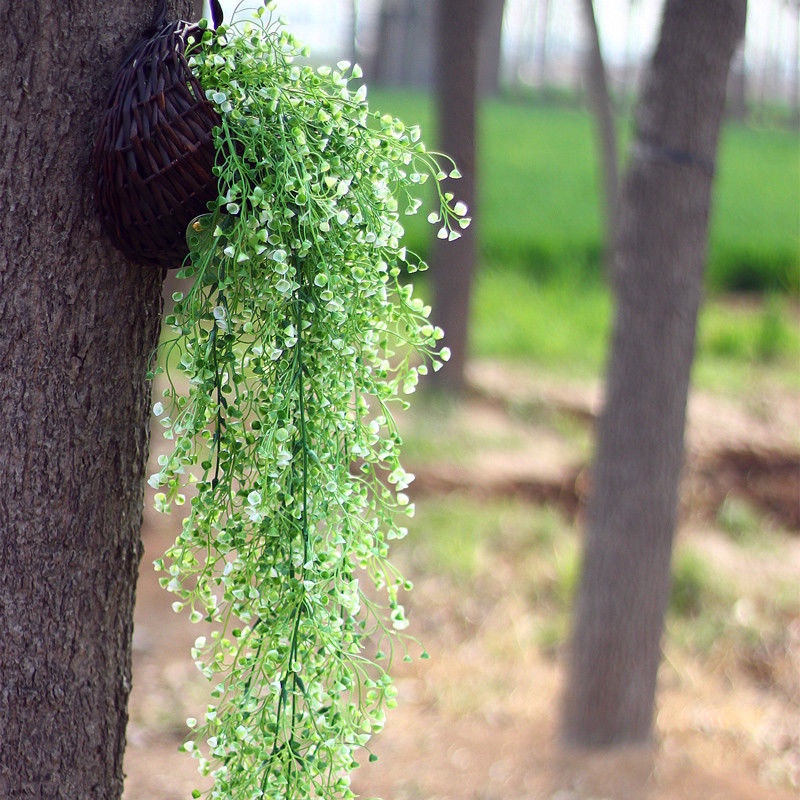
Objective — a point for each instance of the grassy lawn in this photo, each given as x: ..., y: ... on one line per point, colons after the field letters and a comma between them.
x: 540, y: 241
x: 537, y: 551
x: 563, y: 328
x: 755, y: 227
x: 538, y: 206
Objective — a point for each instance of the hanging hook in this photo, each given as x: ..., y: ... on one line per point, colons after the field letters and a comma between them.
x: 216, y: 13
x: 160, y: 14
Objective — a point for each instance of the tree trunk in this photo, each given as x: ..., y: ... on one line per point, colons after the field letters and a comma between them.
x: 404, y: 54
x: 736, y: 106
x: 453, y: 263
x: 542, y: 47
x: 490, y: 47
x: 352, y: 18
x: 79, y: 326
x: 794, y: 70
x: 660, y: 257
x: 603, y: 111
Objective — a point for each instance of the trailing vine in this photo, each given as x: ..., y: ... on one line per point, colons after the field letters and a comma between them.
x: 297, y: 340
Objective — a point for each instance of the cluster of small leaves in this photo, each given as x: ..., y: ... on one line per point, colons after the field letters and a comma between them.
x: 296, y: 342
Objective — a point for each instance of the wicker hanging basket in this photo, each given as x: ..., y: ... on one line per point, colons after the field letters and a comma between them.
x: 154, y: 154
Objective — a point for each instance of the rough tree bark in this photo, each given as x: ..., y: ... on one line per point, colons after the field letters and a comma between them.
x: 79, y: 326
x: 453, y: 263
x: 660, y: 258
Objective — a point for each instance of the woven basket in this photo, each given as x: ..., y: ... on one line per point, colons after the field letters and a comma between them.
x: 154, y: 154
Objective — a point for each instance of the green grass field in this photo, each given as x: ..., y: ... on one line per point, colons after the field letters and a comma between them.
x: 538, y: 199
x: 539, y: 232
x: 563, y: 327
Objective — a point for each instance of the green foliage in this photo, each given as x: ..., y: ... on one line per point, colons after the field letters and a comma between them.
x: 755, y: 225
x: 689, y: 583
x: 563, y: 328
x: 740, y: 520
x: 298, y: 339
x: 560, y: 324
x: 775, y: 335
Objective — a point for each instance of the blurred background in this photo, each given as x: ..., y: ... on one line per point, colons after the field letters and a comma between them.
x: 502, y: 464
x: 542, y: 45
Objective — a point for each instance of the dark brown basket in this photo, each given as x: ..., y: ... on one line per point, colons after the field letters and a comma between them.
x: 154, y: 154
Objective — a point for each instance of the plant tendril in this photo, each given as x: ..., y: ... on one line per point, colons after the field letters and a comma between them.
x: 297, y: 340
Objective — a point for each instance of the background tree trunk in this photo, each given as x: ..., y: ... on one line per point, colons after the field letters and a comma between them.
x: 603, y: 112
x: 453, y: 263
x: 542, y: 46
x: 660, y: 258
x: 794, y: 73
x: 79, y: 326
x: 490, y: 47
x: 404, y: 56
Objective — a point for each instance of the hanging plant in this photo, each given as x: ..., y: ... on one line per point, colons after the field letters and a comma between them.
x: 298, y: 338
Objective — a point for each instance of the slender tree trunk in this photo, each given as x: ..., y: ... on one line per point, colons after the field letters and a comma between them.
x: 660, y: 258
x: 794, y: 71
x: 603, y: 111
x: 404, y: 55
x: 453, y: 263
x: 79, y: 326
x: 629, y: 65
x: 490, y: 46
x: 542, y: 47
x: 353, y: 25
x: 737, y: 87
x: 383, y: 69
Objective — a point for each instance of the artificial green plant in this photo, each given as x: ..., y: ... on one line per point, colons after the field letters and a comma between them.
x: 297, y: 338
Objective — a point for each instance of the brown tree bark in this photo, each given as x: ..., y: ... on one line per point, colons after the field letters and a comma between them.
x: 453, y: 263
x: 659, y: 261
x: 79, y: 326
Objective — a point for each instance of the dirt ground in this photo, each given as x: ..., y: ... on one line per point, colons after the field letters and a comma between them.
x: 477, y: 721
